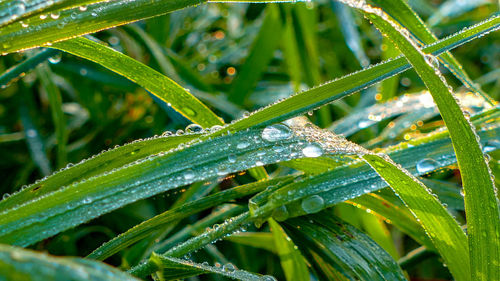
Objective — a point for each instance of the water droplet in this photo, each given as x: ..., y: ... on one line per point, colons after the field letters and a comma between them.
x: 276, y: 132
x: 312, y: 150
x: 188, y: 174
x: 189, y: 111
x: 427, y: 165
x: 54, y: 15
x: 194, y: 128
x: 491, y: 145
x: 432, y: 60
x: 5, y: 196
x: 229, y: 267
x: 364, y: 123
x: 231, y: 158
x: 280, y: 213
x: 82, y: 8
x: 242, y: 145
x: 313, y: 204
x: 55, y: 59
x: 268, y: 278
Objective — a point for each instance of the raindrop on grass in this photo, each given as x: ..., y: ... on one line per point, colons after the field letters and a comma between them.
x: 55, y: 59
x: 229, y: 267
x: 427, y: 165
x: 432, y: 60
x: 194, y: 128
x: 280, y: 213
x: 312, y: 150
x: 188, y: 174
x: 313, y: 204
x: 268, y: 278
x: 242, y: 145
x: 276, y: 132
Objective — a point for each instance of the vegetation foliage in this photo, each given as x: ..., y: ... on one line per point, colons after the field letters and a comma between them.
x: 249, y: 140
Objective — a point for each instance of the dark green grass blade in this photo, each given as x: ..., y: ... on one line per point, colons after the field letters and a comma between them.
x: 339, y: 244
x: 21, y: 264
x: 259, y: 57
x: 146, y: 228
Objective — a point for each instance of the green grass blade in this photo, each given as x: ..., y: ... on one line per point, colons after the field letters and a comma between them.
x: 174, y: 269
x: 158, y: 84
x: 16, y: 71
x: 259, y: 57
x: 64, y: 208
x: 443, y: 230
x: 44, y: 74
x: 146, y: 228
x: 21, y: 264
x: 292, y: 261
x: 323, y: 238
x: 74, y: 22
x: 13, y: 10
x: 483, y: 222
x: 99, y: 164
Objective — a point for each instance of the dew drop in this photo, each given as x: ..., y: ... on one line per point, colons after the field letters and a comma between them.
x: 194, y: 128
x: 229, y: 267
x: 231, y: 158
x: 5, y: 196
x: 189, y: 111
x: 55, y: 59
x: 313, y: 204
x: 242, y: 145
x: 427, y: 165
x: 268, y: 278
x: 312, y: 150
x: 188, y: 174
x: 82, y: 8
x: 364, y: 123
x: 432, y: 60
x: 276, y: 132
x: 54, y: 16
x: 280, y: 213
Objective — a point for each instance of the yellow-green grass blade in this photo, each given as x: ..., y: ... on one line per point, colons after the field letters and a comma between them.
x: 443, y: 230
x: 481, y: 205
x: 156, y: 83
x: 37, y: 31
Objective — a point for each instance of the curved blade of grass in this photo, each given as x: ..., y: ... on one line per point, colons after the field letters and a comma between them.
x: 75, y: 22
x: 99, y: 164
x: 292, y: 261
x: 153, y: 81
x: 325, y: 239
x: 174, y: 269
x: 403, y: 13
x: 480, y: 200
x: 146, y: 228
x: 337, y: 89
x: 21, y: 264
x: 81, y: 201
x: 398, y: 216
x: 442, y: 229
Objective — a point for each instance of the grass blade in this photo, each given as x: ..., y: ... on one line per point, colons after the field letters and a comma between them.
x: 21, y: 264
x: 74, y: 22
x: 158, y: 84
x: 476, y: 176
x: 443, y: 230
x: 329, y: 241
